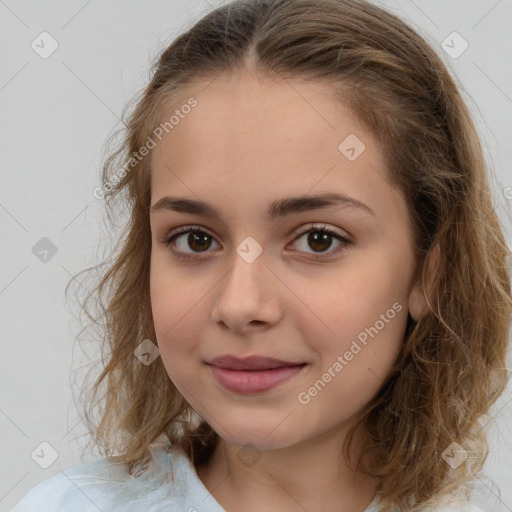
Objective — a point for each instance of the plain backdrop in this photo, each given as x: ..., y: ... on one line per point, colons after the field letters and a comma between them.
x: 56, y: 114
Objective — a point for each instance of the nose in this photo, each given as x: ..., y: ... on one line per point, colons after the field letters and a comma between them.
x: 247, y: 297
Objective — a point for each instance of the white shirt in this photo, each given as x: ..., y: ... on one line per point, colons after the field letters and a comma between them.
x: 106, y: 486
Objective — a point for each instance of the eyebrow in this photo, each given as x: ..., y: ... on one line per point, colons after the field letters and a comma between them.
x: 277, y: 209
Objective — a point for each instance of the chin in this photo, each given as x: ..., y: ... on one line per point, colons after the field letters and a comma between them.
x: 256, y: 432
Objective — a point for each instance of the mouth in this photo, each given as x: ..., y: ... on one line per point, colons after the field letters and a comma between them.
x: 253, y: 374
x: 251, y: 363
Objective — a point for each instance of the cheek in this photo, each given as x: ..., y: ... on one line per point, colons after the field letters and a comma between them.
x: 176, y: 307
x: 355, y: 345
x: 366, y: 304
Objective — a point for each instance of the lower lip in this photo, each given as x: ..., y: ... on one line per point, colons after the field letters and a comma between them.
x: 254, y: 381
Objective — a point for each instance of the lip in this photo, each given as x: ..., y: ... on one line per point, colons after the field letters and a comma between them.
x: 253, y: 374
x: 250, y: 363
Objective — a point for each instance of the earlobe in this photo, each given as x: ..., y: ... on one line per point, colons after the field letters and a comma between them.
x: 417, y: 304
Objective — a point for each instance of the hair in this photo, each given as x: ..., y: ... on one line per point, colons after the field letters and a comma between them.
x: 452, y: 366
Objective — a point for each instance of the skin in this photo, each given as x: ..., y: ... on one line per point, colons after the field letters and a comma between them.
x: 249, y: 141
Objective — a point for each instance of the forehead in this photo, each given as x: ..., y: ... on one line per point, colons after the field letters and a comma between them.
x: 250, y: 139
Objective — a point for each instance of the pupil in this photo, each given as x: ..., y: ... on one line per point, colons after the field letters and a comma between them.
x: 317, y: 237
x: 195, y: 237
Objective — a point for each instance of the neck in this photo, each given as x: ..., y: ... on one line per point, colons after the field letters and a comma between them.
x: 310, y: 476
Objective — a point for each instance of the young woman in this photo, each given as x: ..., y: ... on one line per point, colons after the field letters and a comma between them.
x: 310, y: 306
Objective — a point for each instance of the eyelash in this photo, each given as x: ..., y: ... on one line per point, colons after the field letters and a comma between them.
x: 312, y: 228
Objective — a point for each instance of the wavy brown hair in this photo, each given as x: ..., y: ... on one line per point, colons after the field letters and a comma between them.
x: 452, y: 367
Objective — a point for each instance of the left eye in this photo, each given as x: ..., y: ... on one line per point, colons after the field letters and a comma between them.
x: 319, y: 238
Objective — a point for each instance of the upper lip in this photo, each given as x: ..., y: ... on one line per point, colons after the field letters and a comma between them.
x: 249, y: 363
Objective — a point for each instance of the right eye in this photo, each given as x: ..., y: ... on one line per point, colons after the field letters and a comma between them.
x: 197, y: 239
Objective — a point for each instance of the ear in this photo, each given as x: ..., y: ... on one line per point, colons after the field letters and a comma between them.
x: 417, y: 305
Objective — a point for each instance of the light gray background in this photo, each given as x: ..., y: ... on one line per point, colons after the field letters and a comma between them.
x: 56, y: 114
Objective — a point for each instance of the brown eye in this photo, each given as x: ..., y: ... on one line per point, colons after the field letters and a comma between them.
x: 320, y: 240
x: 197, y: 240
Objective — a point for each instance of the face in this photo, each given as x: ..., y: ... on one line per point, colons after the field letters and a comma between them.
x: 325, y: 289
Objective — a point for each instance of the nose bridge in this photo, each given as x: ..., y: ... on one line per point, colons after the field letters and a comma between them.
x: 248, y: 257
x: 245, y: 279
x: 243, y: 295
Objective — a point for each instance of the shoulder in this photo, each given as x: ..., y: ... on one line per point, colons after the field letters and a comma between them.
x: 170, y: 483
x: 81, y: 488
x: 60, y: 491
